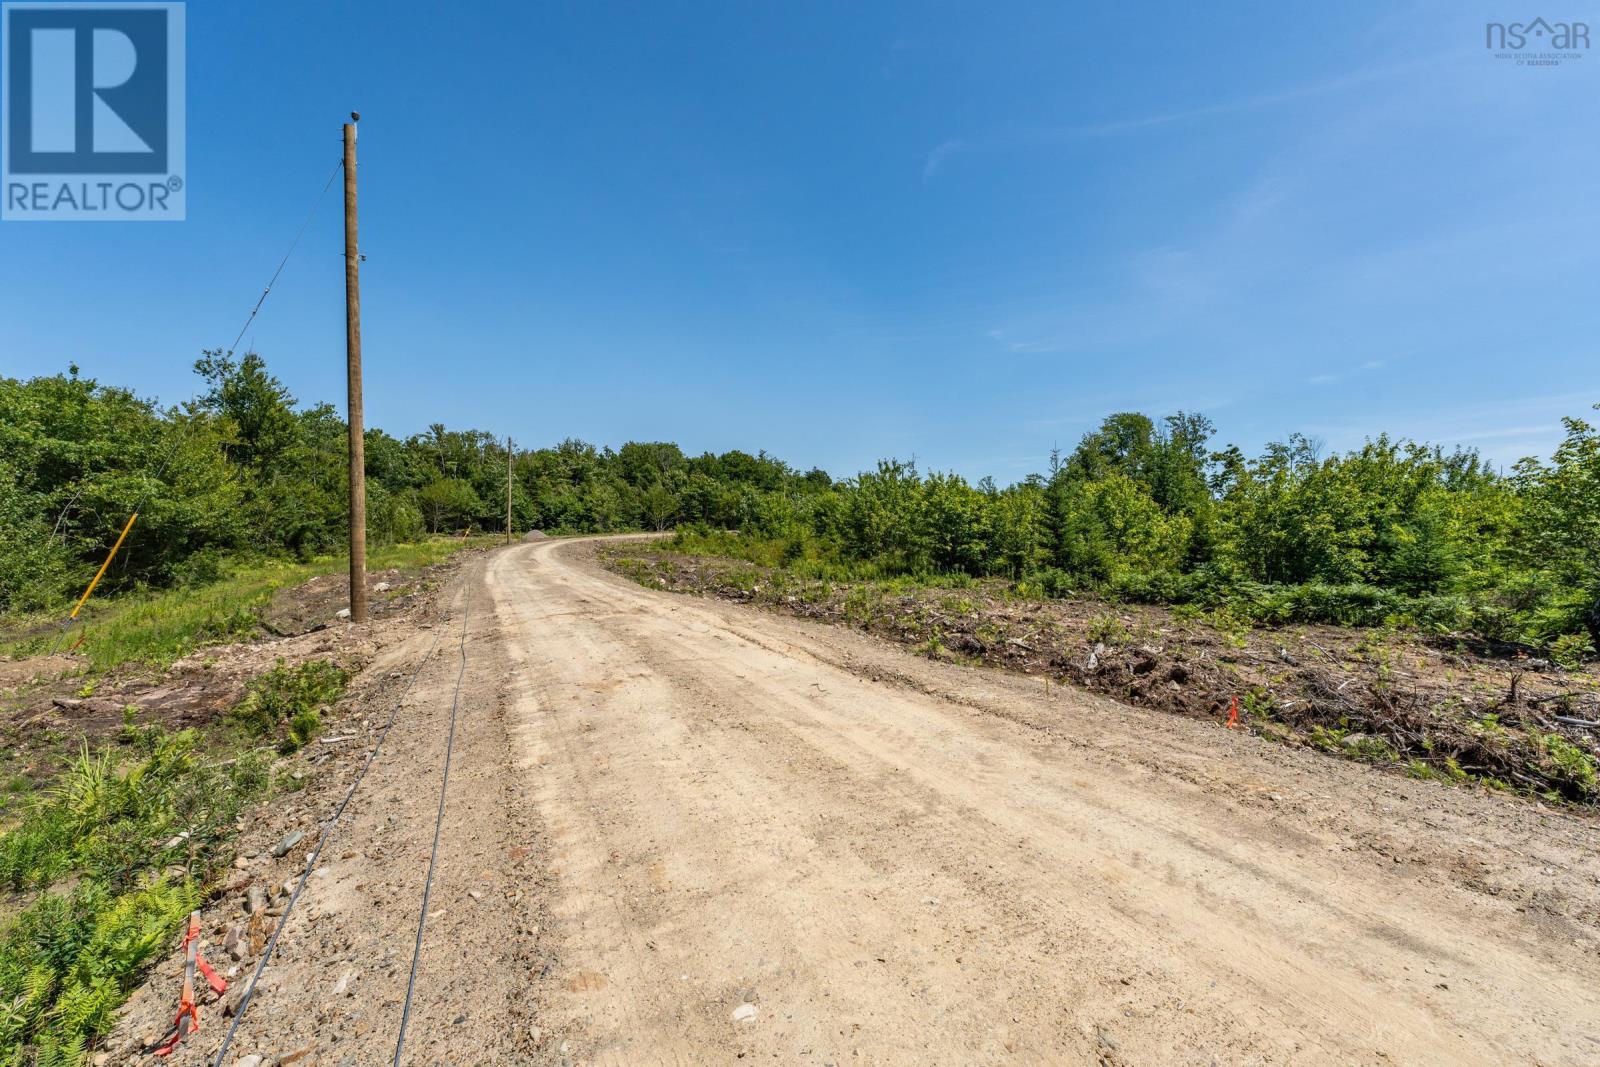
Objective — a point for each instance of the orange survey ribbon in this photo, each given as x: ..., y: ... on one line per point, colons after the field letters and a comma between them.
x: 187, y: 1020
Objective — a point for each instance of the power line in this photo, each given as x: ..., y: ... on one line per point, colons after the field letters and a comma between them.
x: 285, y: 261
x: 183, y: 432
x: 301, y: 232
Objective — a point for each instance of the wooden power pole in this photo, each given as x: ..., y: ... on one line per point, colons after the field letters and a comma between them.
x: 352, y: 348
x: 509, y: 454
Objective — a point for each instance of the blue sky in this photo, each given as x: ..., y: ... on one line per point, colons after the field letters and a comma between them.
x: 959, y: 232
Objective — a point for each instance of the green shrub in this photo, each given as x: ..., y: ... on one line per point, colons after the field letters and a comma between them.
x: 1574, y: 769
x: 1108, y: 629
x: 111, y: 822
x: 1053, y: 582
x: 68, y: 962
x: 1327, y: 738
x: 1259, y: 704
x: 1345, y: 605
x: 1570, y: 650
x: 290, y: 697
x: 1149, y: 587
x: 1369, y: 749
x: 303, y: 729
x: 1438, y: 614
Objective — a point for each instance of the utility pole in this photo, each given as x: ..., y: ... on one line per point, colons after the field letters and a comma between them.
x: 509, y: 454
x: 352, y: 349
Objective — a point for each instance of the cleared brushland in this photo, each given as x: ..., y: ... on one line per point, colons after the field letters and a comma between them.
x: 1440, y: 706
x: 683, y: 828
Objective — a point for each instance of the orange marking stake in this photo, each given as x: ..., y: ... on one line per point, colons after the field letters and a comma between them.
x: 101, y: 573
x: 1233, y: 713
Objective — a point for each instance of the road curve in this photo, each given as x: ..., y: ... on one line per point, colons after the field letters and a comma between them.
x: 776, y: 841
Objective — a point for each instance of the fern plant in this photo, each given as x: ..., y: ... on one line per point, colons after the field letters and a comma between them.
x: 69, y: 959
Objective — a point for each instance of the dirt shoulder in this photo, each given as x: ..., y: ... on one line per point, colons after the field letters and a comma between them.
x: 334, y: 990
x: 51, y: 704
x: 1432, y: 707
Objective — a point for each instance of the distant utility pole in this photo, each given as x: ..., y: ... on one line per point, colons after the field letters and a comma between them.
x: 352, y: 348
x: 509, y: 454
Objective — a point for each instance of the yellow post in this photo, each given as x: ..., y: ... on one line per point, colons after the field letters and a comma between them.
x: 102, y: 571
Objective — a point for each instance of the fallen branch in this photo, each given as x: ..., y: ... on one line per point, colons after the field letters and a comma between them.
x: 1587, y: 724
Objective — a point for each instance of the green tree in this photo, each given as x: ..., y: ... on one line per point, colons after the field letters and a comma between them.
x: 256, y: 403
x: 448, y: 504
x: 659, y: 506
x: 956, y: 528
x: 883, y: 517
x: 1560, y: 526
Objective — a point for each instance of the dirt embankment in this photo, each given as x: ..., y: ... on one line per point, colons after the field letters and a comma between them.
x: 49, y: 706
x: 333, y: 992
x: 1446, y: 707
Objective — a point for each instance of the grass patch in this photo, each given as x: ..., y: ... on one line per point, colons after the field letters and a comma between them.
x: 99, y: 871
x: 1229, y: 602
x: 158, y: 628
x: 1567, y: 764
x: 800, y: 556
x: 1108, y: 629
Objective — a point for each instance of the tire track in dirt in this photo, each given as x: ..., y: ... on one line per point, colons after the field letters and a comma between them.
x: 899, y: 878
x: 665, y: 811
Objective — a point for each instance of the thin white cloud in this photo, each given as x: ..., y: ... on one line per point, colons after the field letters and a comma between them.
x: 1504, y: 430
x: 999, y: 337
x: 939, y: 154
x: 1499, y: 433
x: 1330, y: 378
x: 1022, y: 136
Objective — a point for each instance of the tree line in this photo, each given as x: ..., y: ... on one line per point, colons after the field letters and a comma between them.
x: 1141, y: 508
x: 1152, y: 511
x: 245, y: 470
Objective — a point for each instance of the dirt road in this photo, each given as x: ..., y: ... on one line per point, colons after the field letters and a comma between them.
x: 896, y: 861
x: 687, y: 832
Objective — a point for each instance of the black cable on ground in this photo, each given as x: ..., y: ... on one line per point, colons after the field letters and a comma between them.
x: 327, y: 831
x: 438, y: 826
